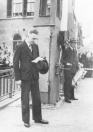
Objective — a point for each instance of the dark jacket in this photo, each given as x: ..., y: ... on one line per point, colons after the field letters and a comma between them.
x: 70, y: 56
x: 24, y: 69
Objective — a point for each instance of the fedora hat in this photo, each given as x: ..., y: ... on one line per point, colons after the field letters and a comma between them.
x: 42, y: 66
x: 73, y: 40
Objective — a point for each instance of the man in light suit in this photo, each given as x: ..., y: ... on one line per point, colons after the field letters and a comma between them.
x: 27, y: 76
x: 71, y: 66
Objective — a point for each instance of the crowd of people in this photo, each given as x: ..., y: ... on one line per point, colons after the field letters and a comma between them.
x: 86, y: 59
x: 6, y: 57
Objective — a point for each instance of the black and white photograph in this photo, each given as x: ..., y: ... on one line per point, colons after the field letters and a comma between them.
x: 46, y: 65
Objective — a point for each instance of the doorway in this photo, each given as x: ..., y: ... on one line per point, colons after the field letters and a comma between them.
x: 17, y: 39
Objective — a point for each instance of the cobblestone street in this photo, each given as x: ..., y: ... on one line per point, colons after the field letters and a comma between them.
x: 74, y: 117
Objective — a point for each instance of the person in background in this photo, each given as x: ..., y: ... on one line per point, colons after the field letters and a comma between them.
x: 5, y: 56
x: 27, y: 76
x: 70, y: 63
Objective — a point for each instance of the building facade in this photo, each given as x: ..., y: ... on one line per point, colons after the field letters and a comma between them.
x: 16, y: 17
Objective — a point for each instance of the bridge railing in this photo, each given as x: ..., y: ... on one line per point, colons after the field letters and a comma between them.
x: 8, y: 87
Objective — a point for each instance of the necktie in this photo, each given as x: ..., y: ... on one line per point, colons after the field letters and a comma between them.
x: 30, y: 47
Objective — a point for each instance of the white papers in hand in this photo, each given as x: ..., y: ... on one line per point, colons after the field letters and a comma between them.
x: 69, y: 64
x: 37, y: 59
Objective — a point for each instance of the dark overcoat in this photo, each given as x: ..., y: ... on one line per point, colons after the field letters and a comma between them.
x: 69, y: 56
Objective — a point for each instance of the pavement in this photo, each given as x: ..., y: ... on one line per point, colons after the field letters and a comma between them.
x: 63, y: 117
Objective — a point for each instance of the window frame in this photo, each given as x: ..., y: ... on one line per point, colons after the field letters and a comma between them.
x: 59, y: 9
x: 9, y: 8
x: 16, y: 12
x: 33, y: 2
x: 10, y: 11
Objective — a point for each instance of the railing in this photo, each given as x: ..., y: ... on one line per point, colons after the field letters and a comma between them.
x: 8, y: 87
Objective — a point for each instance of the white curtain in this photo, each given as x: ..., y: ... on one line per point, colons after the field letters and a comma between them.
x: 30, y: 7
x: 31, y: 1
x: 64, y: 19
x: 17, y: 1
x: 17, y: 8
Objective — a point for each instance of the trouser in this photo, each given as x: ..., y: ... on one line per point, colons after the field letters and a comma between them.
x: 26, y: 87
x: 72, y: 88
x: 72, y: 92
x: 68, y: 90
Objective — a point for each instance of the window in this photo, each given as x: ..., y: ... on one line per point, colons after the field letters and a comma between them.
x: 59, y: 8
x: 30, y: 7
x: 45, y: 6
x: 17, y: 8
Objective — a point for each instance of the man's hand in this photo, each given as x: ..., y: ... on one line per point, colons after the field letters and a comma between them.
x: 37, y: 59
x: 69, y: 64
x: 18, y: 82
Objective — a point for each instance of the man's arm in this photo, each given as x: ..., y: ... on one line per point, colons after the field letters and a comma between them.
x: 77, y: 61
x: 16, y: 65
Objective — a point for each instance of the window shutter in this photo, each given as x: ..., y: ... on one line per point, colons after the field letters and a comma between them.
x: 9, y: 8
x: 24, y: 7
x: 42, y: 11
x: 61, y: 3
x: 58, y: 8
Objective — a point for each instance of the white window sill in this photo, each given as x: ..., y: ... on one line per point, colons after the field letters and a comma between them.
x: 26, y: 17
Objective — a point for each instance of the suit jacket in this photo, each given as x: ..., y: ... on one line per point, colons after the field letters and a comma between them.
x: 24, y: 69
x: 70, y: 56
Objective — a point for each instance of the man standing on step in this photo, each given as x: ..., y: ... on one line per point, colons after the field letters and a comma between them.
x: 71, y: 66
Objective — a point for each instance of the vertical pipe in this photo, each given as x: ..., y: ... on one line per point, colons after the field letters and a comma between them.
x: 49, y: 82
x: 0, y: 86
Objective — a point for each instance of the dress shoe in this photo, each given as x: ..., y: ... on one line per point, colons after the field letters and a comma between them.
x: 74, y: 99
x: 26, y: 124
x: 42, y: 121
x: 68, y: 101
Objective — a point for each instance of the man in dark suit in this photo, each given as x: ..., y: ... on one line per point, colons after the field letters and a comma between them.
x: 27, y: 76
x: 71, y: 66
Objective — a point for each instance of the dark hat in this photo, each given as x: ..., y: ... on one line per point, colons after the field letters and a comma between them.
x: 73, y: 40
x: 43, y: 66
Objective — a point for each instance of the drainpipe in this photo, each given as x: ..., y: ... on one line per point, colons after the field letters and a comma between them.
x: 49, y: 82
